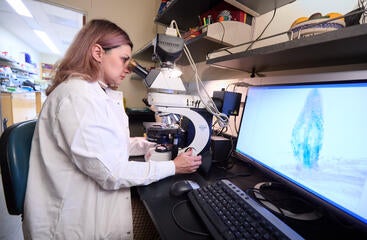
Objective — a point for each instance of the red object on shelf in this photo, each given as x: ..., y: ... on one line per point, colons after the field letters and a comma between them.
x: 192, y: 33
x: 237, y: 14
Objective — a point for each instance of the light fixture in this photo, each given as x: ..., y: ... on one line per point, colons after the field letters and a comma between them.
x: 20, y: 8
x: 44, y: 37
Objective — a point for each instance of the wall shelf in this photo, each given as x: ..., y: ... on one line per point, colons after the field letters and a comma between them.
x: 185, y: 12
x: 17, y: 66
x: 6, y: 59
x: 214, y: 36
x: 258, y: 7
x: 198, y: 47
x: 339, y: 47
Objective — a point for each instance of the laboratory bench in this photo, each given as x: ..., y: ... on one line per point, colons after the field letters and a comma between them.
x: 164, y: 209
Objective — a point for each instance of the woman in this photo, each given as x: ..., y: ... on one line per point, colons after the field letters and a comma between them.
x: 79, y: 176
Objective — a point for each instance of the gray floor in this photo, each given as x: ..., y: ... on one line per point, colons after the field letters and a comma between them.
x: 10, y: 226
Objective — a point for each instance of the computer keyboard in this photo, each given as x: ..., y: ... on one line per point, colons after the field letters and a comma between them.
x: 229, y: 213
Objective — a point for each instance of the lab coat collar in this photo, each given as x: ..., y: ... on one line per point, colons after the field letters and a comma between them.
x: 103, y: 85
x: 115, y: 95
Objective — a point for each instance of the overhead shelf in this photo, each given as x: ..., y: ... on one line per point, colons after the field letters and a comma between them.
x: 6, y: 59
x: 339, y: 47
x: 214, y: 36
x: 258, y: 7
x: 18, y: 66
x: 198, y: 47
x: 185, y: 12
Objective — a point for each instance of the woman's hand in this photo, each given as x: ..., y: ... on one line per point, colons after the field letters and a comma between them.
x: 186, y: 162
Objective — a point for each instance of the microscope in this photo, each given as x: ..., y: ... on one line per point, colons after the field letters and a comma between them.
x: 185, y: 124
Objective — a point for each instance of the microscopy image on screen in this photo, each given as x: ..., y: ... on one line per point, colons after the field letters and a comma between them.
x: 312, y: 135
x: 308, y: 131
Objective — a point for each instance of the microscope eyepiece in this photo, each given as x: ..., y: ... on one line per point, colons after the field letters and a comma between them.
x: 138, y: 69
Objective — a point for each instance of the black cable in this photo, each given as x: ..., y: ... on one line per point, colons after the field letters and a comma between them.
x: 362, y: 4
x: 272, y: 204
x: 224, y: 31
x: 221, y: 40
x: 227, y: 50
x: 235, y: 125
x: 263, y: 199
x: 223, y: 130
x: 235, y: 117
x: 266, y: 27
x: 180, y: 225
x: 257, y: 39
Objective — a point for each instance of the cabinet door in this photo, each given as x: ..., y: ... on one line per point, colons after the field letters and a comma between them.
x: 6, y: 108
x: 24, y: 107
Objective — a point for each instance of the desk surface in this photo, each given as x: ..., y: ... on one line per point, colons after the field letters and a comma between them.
x: 159, y: 204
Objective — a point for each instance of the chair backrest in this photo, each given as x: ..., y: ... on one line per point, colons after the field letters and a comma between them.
x: 15, y: 147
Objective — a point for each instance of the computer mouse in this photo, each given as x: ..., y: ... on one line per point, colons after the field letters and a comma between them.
x: 182, y: 187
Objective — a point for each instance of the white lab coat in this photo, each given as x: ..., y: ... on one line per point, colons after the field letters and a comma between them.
x: 79, y: 173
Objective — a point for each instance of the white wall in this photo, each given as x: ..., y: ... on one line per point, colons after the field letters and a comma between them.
x: 136, y: 17
x: 15, y: 46
x: 51, y: 59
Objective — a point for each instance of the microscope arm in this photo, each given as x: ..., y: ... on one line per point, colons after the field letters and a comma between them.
x: 202, y: 130
x: 183, y: 104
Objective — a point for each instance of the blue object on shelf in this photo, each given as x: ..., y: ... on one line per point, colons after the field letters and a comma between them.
x: 27, y: 58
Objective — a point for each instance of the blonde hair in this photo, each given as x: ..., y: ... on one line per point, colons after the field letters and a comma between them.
x: 78, y: 60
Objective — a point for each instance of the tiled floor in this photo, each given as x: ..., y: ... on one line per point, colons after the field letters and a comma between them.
x: 10, y: 226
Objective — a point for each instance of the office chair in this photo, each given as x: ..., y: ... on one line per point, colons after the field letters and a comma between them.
x: 15, y: 147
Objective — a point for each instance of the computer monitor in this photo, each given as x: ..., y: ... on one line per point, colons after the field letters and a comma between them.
x: 313, y: 138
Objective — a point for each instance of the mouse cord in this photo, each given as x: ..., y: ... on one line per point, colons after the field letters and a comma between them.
x: 180, y: 225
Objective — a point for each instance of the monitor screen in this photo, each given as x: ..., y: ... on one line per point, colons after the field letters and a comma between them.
x: 312, y: 136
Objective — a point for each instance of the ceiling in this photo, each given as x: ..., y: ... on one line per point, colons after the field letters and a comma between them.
x: 60, y: 24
